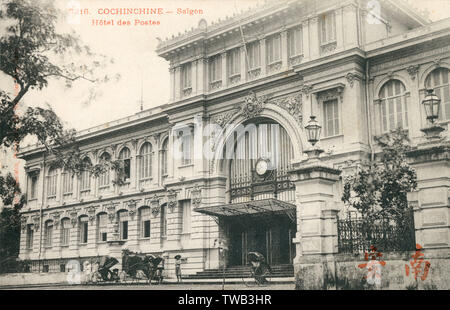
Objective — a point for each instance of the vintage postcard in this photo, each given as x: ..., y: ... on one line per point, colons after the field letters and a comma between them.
x: 225, y: 145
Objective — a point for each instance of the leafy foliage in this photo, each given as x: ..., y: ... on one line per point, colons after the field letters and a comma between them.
x: 379, y: 189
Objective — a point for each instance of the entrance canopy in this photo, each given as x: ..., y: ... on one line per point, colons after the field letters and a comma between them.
x: 264, y: 207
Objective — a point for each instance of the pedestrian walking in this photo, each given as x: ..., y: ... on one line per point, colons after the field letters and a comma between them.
x: 178, y: 267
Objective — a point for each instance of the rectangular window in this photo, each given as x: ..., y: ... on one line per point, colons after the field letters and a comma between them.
x: 67, y: 183
x: 328, y: 28
x: 186, y: 141
x: 124, y: 230
x: 48, y: 236
x: 102, y: 227
x: 33, y: 187
x: 127, y: 168
x: 123, y: 225
x: 84, y: 229
x: 215, y: 68
x: 163, y: 223
x: 51, y: 184
x: 295, y: 41
x: 65, y: 232
x: 85, y: 180
x: 234, y: 62
x: 145, y: 222
x: 273, y: 49
x: 186, y: 76
x: 331, y: 118
x: 30, y: 233
x: 254, y: 55
x: 186, y: 220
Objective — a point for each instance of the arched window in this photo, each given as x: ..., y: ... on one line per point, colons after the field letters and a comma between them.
x: 144, y: 222
x: 48, y: 233
x: 85, y: 178
x: 145, y: 163
x: 393, y: 106
x: 164, y: 150
x: 102, y: 227
x: 52, y: 182
x: 83, y: 229
x: 125, y: 155
x: 103, y: 181
x: 65, y: 231
x: 438, y: 79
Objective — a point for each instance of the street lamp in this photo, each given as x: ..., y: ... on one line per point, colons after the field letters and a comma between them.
x: 313, y: 134
x: 432, y: 104
x: 313, y: 130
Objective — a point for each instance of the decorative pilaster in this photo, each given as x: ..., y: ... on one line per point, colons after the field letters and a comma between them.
x: 177, y: 83
x: 224, y: 69
x: 262, y: 49
x: 284, y: 50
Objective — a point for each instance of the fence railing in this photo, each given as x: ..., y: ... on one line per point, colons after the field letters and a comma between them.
x: 356, y: 235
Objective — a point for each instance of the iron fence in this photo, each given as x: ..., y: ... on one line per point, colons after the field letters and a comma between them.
x: 356, y: 235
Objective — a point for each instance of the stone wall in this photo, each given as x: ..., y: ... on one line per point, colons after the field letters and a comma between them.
x: 343, y: 273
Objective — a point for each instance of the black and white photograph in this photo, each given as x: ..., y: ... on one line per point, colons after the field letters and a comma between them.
x: 249, y: 146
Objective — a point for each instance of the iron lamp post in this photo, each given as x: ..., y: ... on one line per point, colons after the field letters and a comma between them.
x: 432, y: 105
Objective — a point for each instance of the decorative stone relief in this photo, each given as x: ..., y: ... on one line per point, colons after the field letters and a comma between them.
x: 329, y: 47
x: 234, y: 79
x: 196, y: 196
x: 412, y: 71
x: 36, y: 222
x: 222, y: 118
x: 350, y: 78
x: 337, y: 92
x: 215, y: 85
x: 56, y: 218
x: 292, y: 104
x: 437, y: 62
x: 91, y: 213
x: 73, y: 216
x: 274, y: 67
x: 187, y: 91
x: 23, y: 222
x: 252, y: 105
x: 254, y: 73
x: 295, y: 60
x: 131, y: 206
x: 306, y: 89
x: 111, y: 212
x: 172, y: 199
x: 154, y: 204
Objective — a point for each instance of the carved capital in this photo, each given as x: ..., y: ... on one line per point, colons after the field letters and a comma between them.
x: 154, y: 204
x: 172, y: 199
x: 56, y: 218
x: 196, y: 196
x: 306, y: 89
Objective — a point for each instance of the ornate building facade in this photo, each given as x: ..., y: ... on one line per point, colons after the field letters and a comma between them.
x: 361, y: 71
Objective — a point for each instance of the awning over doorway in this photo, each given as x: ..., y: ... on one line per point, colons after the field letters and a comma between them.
x: 262, y: 207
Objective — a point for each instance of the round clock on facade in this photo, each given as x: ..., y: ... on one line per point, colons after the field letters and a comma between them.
x: 262, y: 165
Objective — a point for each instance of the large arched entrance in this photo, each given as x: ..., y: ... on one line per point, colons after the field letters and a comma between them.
x: 260, y: 211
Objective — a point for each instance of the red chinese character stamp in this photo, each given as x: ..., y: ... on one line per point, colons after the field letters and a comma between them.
x: 416, y: 264
x: 373, y: 266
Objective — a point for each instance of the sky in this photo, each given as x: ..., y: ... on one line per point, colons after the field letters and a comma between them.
x: 142, y: 71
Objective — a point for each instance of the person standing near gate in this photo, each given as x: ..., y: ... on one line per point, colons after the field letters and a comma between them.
x: 178, y: 267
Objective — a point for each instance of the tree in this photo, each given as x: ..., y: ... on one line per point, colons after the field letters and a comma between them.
x: 379, y: 189
x: 32, y: 53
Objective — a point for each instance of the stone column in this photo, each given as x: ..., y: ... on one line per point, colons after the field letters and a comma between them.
x: 224, y: 69
x: 200, y: 76
x: 194, y: 69
x: 316, y: 239
x: 177, y: 83
x: 262, y: 46
x: 431, y: 205
x: 284, y: 50
x: 305, y: 40
x: 172, y: 84
x: 243, y: 63
x: 314, y: 41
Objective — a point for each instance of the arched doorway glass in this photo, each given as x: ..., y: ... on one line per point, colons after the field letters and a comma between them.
x: 259, y: 158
